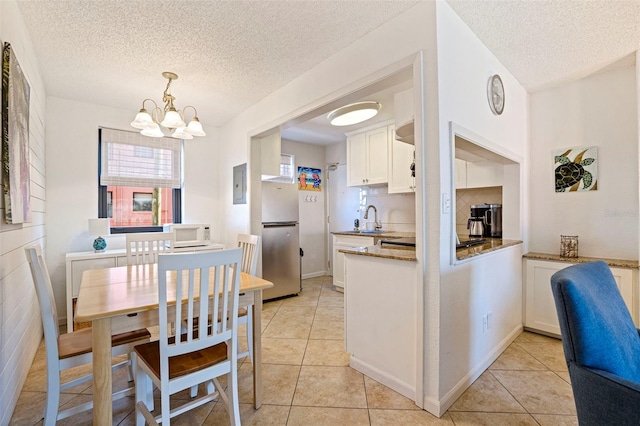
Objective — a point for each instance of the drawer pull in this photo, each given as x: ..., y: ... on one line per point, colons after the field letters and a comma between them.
x: 135, y: 314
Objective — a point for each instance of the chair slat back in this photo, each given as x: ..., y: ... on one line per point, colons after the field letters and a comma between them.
x: 144, y: 248
x: 44, y: 291
x: 250, y: 245
x: 199, y: 280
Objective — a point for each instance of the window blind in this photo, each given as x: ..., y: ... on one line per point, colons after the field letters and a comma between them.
x: 130, y: 159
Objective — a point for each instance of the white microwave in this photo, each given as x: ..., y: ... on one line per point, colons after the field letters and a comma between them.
x: 189, y: 235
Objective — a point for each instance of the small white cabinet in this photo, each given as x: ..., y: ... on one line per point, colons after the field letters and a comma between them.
x: 401, y: 156
x: 367, y: 157
x: 345, y: 242
x: 478, y: 174
x: 78, y: 262
x: 540, y: 309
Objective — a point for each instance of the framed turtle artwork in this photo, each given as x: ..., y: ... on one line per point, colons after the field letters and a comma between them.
x: 576, y: 169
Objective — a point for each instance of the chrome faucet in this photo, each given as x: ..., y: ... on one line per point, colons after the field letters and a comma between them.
x: 378, y: 225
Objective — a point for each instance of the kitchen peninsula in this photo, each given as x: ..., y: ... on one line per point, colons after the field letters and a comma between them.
x: 490, y: 244
x: 381, y: 289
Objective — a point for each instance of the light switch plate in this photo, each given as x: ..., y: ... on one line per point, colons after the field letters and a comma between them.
x: 446, y: 203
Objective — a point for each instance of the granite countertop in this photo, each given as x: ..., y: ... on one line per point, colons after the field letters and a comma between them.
x: 408, y: 253
x: 492, y: 244
x: 377, y: 234
x: 616, y: 263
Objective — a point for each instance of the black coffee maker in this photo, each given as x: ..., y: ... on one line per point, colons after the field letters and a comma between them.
x: 476, y: 224
x: 491, y: 217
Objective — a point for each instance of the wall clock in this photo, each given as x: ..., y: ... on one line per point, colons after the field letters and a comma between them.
x: 495, y: 94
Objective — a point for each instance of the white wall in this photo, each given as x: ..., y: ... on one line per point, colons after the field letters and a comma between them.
x: 313, y: 223
x: 599, y: 110
x: 72, y: 180
x: 393, y: 45
x: 20, y: 324
x: 392, y: 42
x: 492, y: 283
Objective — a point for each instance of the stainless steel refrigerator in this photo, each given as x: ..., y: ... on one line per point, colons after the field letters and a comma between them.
x: 280, y: 239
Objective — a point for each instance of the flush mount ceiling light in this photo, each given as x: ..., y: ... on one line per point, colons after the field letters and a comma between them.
x: 354, y: 113
x: 170, y: 118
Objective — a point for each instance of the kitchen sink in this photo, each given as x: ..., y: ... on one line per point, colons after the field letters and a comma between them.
x: 372, y: 232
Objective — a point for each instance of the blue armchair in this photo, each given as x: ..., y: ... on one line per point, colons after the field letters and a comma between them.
x: 601, y: 345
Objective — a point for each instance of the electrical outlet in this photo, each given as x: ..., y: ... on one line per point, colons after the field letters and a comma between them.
x: 485, y: 323
x: 489, y: 320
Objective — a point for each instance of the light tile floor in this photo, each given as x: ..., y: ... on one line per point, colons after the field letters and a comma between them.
x: 308, y: 381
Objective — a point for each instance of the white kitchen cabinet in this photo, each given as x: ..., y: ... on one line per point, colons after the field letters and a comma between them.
x: 78, y: 262
x: 478, y: 174
x: 367, y: 157
x: 401, y: 156
x: 540, y: 309
x: 345, y: 242
x: 461, y: 173
x: 270, y: 151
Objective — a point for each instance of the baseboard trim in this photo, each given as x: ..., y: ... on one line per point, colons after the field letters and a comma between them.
x: 399, y: 386
x: 314, y: 274
x: 438, y: 408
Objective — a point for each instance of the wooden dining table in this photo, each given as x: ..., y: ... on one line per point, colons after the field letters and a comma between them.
x: 120, y: 299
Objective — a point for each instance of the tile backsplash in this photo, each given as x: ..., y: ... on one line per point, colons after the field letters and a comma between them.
x: 397, y: 212
x: 465, y: 198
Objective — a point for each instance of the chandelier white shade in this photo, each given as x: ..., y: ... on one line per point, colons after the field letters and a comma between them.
x: 354, y: 113
x: 170, y: 118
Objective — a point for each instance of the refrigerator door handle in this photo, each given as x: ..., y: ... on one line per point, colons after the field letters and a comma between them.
x: 279, y: 224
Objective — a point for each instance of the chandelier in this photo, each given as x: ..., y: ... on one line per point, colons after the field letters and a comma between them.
x: 170, y: 118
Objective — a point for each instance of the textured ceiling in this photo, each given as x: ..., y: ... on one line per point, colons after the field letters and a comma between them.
x: 228, y: 54
x: 231, y: 54
x: 547, y: 42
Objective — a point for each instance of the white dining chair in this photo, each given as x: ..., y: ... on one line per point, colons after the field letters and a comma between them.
x: 250, y: 245
x: 65, y: 351
x: 143, y: 248
x: 205, y: 351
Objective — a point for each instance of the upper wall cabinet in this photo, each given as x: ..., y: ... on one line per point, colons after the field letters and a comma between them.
x: 478, y: 174
x: 401, y: 156
x: 403, y: 104
x: 270, y: 154
x: 368, y: 157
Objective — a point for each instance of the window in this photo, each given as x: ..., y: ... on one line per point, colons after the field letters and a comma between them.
x: 286, y: 170
x: 142, y: 201
x: 140, y: 179
x: 109, y: 204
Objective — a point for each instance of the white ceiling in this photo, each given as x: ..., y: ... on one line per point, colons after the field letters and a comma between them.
x: 228, y: 54
x: 231, y: 54
x: 547, y: 42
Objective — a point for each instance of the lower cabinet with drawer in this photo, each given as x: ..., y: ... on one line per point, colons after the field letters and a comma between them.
x: 540, y: 309
x: 78, y: 262
x: 343, y: 242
